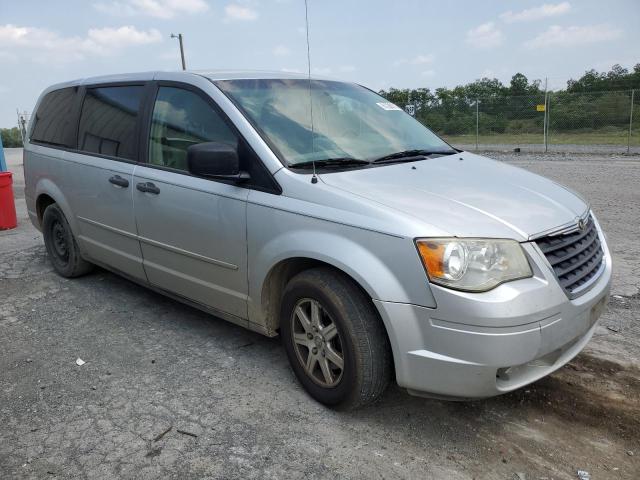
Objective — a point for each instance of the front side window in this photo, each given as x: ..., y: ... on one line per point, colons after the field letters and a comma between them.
x: 108, y: 121
x: 349, y: 121
x: 182, y: 118
x: 54, y: 123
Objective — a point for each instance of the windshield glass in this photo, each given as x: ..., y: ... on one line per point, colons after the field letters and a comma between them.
x: 349, y: 121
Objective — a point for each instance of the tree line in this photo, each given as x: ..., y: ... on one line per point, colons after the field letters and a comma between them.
x: 594, y: 101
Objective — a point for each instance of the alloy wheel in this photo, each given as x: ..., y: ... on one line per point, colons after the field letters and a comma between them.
x: 317, y: 343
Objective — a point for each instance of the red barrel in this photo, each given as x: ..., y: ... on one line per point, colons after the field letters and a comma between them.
x: 7, y: 205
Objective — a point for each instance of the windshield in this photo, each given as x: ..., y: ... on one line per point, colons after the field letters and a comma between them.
x: 349, y: 121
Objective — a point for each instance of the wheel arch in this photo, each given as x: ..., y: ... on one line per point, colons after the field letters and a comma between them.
x: 42, y: 202
x: 47, y: 193
x: 275, y: 281
x: 278, y: 277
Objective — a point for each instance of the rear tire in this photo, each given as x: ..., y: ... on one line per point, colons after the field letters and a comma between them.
x: 61, y: 245
x: 336, y: 343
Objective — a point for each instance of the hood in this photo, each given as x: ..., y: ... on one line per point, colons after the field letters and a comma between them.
x: 467, y: 195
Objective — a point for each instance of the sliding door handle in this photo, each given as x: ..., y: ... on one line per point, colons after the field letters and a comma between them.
x: 148, y: 187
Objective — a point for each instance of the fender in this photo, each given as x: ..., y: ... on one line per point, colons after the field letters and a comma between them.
x: 379, y: 277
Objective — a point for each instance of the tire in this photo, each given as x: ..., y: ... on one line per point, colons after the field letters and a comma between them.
x: 357, y: 336
x: 61, y: 245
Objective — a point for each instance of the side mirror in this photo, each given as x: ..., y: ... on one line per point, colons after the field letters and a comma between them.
x: 215, y: 160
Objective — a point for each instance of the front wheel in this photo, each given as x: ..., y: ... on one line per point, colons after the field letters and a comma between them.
x: 334, y: 338
x: 61, y: 245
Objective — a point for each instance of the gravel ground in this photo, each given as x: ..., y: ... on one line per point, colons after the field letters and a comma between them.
x: 168, y: 391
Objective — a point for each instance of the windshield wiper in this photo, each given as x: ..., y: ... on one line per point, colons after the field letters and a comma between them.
x: 410, y: 155
x: 331, y: 162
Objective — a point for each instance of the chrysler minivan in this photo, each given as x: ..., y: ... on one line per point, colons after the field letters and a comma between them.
x: 316, y: 210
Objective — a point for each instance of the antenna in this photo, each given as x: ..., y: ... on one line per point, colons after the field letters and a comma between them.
x: 314, y: 178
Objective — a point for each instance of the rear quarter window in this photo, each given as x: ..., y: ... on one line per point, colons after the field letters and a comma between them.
x: 54, y: 121
x: 108, y: 121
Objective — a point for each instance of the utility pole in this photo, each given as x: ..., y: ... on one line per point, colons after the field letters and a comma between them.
x: 633, y: 92
x: 22, y: 124
x: 544, y: 122
x: 179, y: 37
x: 547, y: 110
x: 477, y: 123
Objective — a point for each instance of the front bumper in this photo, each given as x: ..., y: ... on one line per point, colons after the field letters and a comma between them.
x: 476, y: 345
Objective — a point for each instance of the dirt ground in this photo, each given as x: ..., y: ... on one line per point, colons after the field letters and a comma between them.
x: 170, y: 392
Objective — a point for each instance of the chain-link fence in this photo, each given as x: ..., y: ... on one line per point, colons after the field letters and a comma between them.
x: 603, y: 122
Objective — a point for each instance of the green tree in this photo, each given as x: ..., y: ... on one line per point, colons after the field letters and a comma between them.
x: 520, y: 86
x: 618, y: 78
x: 11, y: 137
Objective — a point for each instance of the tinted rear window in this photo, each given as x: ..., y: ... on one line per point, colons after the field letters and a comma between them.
x: 108, y: 121
x: 55, y: 123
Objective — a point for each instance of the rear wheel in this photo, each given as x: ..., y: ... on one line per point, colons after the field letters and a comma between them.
x: 335, y: 341
x: 61, y: 245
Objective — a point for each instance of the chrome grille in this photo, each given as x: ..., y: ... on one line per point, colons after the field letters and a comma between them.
x: 576, y: 257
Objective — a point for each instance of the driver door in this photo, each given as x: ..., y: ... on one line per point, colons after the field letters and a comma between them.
x: 192, y: 230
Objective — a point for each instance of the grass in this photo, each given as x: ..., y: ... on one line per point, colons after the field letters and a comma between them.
x: 618, y: 137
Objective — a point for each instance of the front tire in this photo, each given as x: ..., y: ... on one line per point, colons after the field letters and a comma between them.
x: 61, y: 245
x: 336, y: 343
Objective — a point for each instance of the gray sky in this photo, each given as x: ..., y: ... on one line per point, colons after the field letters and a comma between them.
x: 379, y: 43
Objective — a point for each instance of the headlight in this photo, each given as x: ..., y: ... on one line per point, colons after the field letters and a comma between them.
x: 474, y: 265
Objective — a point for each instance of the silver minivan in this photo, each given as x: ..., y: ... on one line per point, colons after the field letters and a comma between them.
x: 316, y: 210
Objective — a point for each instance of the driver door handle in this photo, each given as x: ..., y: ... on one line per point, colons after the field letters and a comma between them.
x: 119, y: 181
x: 148, y: 187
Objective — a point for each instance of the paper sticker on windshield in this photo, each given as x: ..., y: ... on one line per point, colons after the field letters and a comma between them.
x: 388, y: 106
